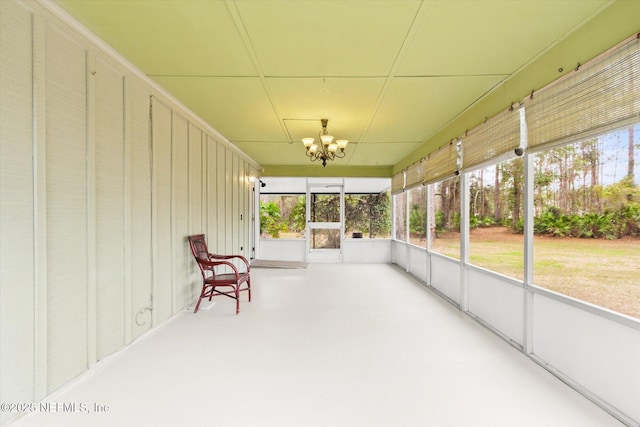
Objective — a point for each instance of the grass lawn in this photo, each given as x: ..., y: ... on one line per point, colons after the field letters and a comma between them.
x: 602, y: 272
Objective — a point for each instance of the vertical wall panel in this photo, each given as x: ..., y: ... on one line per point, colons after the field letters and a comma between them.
x: 66, y: 127
x: 244, y: 219
x: 235, y: 203
x: 140, y: 209
x: 17, y: 296
x: 230, y: 208
x: 180, y: 214
x: 204, y: 179
x: 223, y: 189
x: 195, y: 180
x: 109, y: 197
x: 195, y: 202
x: 212, y: 192
x: 161, y: 213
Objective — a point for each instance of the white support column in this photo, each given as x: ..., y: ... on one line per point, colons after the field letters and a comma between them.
x: 342, y: 220
x: 528, y: 237
x: 407, y: 252
x: 464, y: 241
x: 431, y: 226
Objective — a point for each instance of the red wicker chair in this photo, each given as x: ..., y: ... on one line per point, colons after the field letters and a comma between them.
x: 212, y: 280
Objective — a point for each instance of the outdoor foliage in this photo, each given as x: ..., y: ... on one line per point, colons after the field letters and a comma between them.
x: 417, y: 220
x: 369, y: 214
x: 271, y: 222
x: 447, y: 206
x: 588, y: 189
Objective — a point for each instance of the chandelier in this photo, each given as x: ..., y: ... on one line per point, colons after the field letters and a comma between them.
x: 328, y: 149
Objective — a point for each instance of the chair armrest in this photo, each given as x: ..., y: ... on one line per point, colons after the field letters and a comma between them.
x: 210, y: 265
x: 243, y: 259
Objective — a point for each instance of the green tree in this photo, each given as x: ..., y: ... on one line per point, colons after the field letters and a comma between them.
x: 417, y: 220
x: 271, y: 222
x: 379, y: 214
x: 298, y: 218
x: 368, y: 213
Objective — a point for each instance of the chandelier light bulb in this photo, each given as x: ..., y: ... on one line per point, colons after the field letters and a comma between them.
x: 327, y: 148
x: 326, y: 139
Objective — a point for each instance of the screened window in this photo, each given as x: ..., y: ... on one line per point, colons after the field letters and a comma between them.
x: 325, y: 207
x: 587, y: 220
x: 417, y: 199
x: 496, y: 218
x: 282, y: 216
x: 400, y: 216
x: 446, y: 202
x: 368, y: 215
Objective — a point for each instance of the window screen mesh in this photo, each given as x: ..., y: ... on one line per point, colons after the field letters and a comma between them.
x: 493, y: 138
x: 397, y: 183
x: 441, y: 164
x: 600, y: 95
x: 415, y: 174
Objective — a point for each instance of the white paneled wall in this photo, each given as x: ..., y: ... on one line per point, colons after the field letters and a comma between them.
x: 211, y: 172
x: 17, y: 203
x: 197, y: 159
x: 139, y: 221
x: 180, y: 211
x: 228, y: 202
x: 102, y: 178
x: 109, y: 206
x: 161, y: 212
x: 68, y: 278
x: 222, y: 204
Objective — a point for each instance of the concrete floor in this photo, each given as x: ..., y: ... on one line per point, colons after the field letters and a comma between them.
x: 330, y: 345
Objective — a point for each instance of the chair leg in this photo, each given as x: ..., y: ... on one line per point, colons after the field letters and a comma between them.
x: 202, y: 295
x: 237, y: 299
x: 198, y: 305
x: 249, y: 288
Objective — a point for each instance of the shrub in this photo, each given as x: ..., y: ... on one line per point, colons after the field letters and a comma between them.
x: 270, y: 220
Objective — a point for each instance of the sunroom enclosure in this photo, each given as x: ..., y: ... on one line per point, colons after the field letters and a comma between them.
x: 103, y: 175
x: 590, y: 341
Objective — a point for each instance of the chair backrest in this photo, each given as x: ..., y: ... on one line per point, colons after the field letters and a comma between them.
x: 199, y: 249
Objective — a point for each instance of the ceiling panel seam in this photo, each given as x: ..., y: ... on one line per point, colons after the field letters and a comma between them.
x: 239, y: 23
x: 420, y: 13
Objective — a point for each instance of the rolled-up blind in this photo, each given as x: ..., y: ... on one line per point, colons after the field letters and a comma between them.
x: 442, y: 163
x: 415, y: 174
x: 600, y: 95
x: 397, y: 183
x: 492, y: 140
